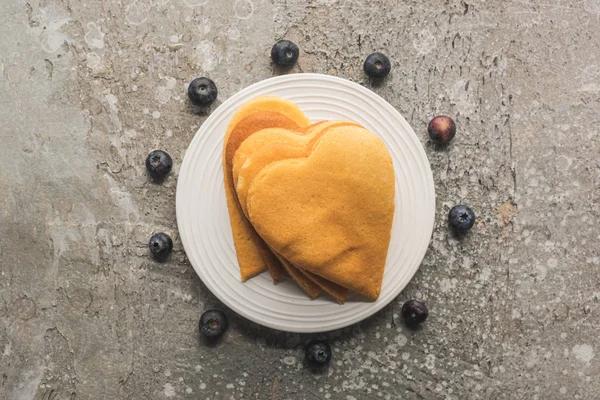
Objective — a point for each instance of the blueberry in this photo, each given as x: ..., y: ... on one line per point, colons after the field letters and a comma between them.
x: 202, y: 92
x: 318, y: 353
x: 414, y: 312
x: 159, y: 164
x: 160, y: 246
x: 377, y: 66
x: 213, y: 323
x: 461, y: 218
x: 441, y: 129
x: 284, y: 53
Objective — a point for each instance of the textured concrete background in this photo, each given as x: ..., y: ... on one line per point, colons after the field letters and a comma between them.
x: 88, y: 88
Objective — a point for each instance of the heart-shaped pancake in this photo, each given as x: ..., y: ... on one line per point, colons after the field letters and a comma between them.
x: 253, y: 116
x: 254, y: 164
x: 330, y: 213
x: 272, y: 145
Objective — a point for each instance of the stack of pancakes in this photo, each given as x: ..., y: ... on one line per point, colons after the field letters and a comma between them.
x: 314, y: 202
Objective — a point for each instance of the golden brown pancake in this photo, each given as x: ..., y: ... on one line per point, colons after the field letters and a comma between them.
x: 311, y: 289
x: 275, y: 144
x: 255, y: 115
x: 330, y: 213
x: 263, y: 156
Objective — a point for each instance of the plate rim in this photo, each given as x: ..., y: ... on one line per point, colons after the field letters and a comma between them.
x: 185, y: 167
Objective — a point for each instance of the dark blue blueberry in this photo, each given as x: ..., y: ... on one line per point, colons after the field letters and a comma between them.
x: 377, y: 66
x: 461, y: 218
x: 160, y: 246
x: 202, y: 92
x: 414, y: 312
x: 284, y: 53
x: 213, y: 323
x: 441, y: 129
x: 159, y: 164
x: 318, y: 353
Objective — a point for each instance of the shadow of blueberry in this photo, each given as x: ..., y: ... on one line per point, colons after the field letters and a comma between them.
x: 376, y: 82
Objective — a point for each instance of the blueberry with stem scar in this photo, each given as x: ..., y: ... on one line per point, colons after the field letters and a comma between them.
x: 377, y: 66
x: 202, y: 92
x: 213, y: 323
x: 159, y: 164
x: 284, y: 53
x: 318, y: 353
x: 160, y: 246
x: 461, y: 218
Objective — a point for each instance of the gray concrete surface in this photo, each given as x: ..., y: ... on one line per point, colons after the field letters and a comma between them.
x: 88, y: 88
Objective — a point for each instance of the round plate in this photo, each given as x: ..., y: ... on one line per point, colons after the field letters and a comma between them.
x: 204, y: 221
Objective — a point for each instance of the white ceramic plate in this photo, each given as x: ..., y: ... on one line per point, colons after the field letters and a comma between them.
x: 204, y: 222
